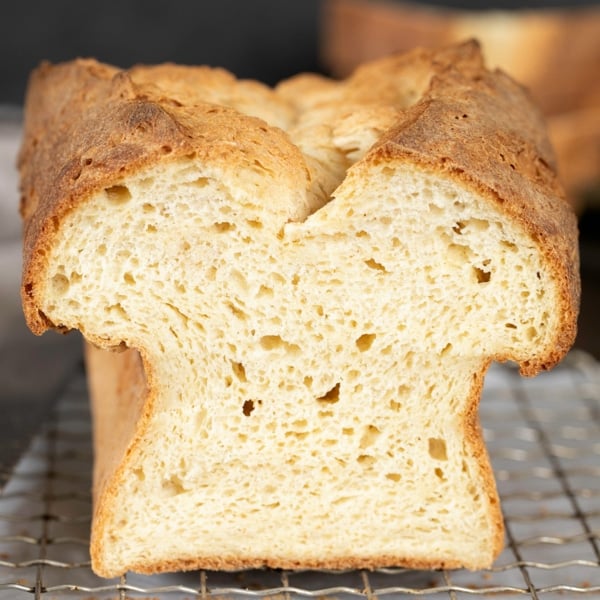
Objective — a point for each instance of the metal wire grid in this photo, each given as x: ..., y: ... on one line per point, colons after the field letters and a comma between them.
x: 544, y: 439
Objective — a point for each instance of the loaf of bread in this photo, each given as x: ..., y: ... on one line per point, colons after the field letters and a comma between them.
x: 291, y: 297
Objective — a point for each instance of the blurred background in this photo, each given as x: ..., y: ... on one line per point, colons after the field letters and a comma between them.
x: 552, y: 47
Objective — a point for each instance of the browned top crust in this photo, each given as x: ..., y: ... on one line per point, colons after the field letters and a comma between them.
x: 88, y: 125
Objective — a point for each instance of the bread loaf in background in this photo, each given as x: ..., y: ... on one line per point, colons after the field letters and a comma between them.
x: 553, y: 51
x: 291, y: 297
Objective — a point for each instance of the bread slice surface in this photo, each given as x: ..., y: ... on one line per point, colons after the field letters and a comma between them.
x: 311, y: 282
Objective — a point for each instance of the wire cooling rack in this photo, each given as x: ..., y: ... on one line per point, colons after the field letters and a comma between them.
x: 543, y: 435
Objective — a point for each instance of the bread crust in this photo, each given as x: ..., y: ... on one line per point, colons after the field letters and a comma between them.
x: 89, y: 124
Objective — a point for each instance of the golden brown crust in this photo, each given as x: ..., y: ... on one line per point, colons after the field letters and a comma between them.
x: 121, y: 405
x: 234, y: 563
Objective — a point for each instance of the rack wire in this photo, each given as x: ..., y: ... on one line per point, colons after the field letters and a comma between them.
x: 543, y: 435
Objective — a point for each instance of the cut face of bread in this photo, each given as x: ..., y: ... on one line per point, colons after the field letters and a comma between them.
x: 304, y: 370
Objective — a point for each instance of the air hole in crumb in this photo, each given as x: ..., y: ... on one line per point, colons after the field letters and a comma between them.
x: 118, y: 194
x: 365, y: 341
x: 200, y: 182
x: 509, y: 245
x: 369, y: 436
x: 129, y: 278
x: 248, y: 407
x: 437, y: 449
x: 510, y: 326
x: 173, y: 486
x: 236, y: 311
x: 458, y: 254
x: 263, y: 291
x: 255, y: 223
x: 481, y: 275
x: 403, y: 390
x: 60, y: 284
x: 166, y: 149
x: 395, y: 406
x: 332, y: 396
x: 300, y: 435
x: 308, y: 381
x: 393, y: 476
x: 276, y: 342
x: 439, y: 473
x: 239, y: 370
x: 458, y: 227
x: 376, y: 266
x: 223, y: 227
x: 148, y: 208
x: 531, y: 333
x: 211, y: 273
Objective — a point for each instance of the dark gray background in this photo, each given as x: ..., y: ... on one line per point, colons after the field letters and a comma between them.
x: 263, y: 39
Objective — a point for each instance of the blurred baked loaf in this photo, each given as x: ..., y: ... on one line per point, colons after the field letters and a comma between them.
x: 554, y: 52
x: 291, y: 298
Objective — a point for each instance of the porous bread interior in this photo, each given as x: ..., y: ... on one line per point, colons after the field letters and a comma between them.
x: 316, y: 381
